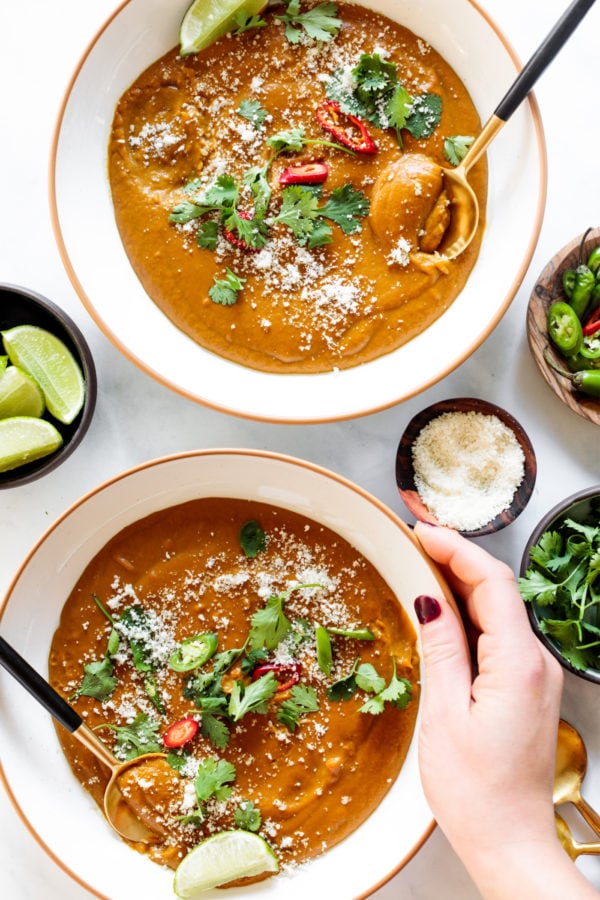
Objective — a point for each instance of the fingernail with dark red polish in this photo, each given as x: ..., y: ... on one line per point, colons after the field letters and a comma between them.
x: 427, y: 609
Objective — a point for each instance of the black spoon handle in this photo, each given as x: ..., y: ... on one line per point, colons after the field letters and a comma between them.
x: 14, y: 663
x: 542, y: 58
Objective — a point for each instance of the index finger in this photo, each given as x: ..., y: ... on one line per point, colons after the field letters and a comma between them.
x: 485, y: 584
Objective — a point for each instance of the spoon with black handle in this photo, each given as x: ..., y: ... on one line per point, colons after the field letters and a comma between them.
x: 120, y: 815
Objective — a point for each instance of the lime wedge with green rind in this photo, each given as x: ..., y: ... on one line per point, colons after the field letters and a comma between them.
x: 222, y: 858
x: 24, y: 439
x: 52, y: 365
x: 19, y: 394
x: 207, y: 20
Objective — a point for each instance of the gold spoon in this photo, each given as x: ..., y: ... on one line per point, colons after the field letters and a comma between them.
x: 570, y: 768
x: 463, y: 202
x: 117, y: 810
x: 574, y: 848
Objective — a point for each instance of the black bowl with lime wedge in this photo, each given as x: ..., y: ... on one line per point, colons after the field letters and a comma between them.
x: 560, y: 582
x: 23, y: 307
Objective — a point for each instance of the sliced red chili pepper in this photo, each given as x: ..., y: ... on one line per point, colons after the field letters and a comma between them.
x: 179, y: 733
x: 239, y: 242
x: 593, y: 323
x: 342, y: 125
x: 309, y: 173
x: 287, y: 674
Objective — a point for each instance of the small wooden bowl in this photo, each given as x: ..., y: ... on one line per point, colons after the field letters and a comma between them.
x: 548, y: 289
x: 405, y: 475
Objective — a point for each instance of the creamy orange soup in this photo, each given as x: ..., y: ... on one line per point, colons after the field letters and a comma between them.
x: 304, y: 761
x: 294, y: 277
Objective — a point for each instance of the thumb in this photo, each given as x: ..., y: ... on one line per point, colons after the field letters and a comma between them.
x: 446, y: 656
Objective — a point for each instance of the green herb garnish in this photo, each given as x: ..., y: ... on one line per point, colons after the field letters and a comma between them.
x: 456, y: 147
x: 378, y: 96
x: 135, y: 739
x: 245, y: 22
x: 303, y: 700
x: 225, y: 290
x: 252, y: 538
x: 247, y: 816
x: 254, y: 112
x: 563, y: 583
x: 253, y: 697
x: 320, y: 23
x: 98, y: 680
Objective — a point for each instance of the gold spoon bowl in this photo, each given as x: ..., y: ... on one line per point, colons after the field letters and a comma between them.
x: 570, y: 769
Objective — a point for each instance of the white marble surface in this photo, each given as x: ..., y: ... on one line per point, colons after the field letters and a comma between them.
x: 137, y: 419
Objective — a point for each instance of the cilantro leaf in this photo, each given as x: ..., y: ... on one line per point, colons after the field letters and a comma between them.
x: 256, y: 179
x: 303, y: 700
x: 299, y: 209
x: 98, y: 680
x: 456, y: 147
x: 137, y: 738
x: 215, y: 730
x: 254, y: 112
x: 245, y: 22
x: 399, y: 109
x: 225, y: 290
x: 368, y: 679
x: 374, y: 77
x: 253, y: 697
x: 425, y: 115
x: 346, y: 207
x: 252, y: 538
x: 213, y: 779
x: 269, y: 626
x: 207, y: 235
x: 320, y: 22
x: 247, y: 816
x: 320, y: 235
x: 284, y: 141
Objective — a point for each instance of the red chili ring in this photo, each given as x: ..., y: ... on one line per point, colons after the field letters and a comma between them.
x: 290, y: 670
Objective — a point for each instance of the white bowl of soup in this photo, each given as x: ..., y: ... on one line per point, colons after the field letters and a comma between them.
x: 161, y: 530
x: 324, y: 307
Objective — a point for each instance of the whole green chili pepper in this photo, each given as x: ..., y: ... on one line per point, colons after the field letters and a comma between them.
x: 586, y: 380
x: 593, y: 262
x: 581, y: 294
x: 564, y: 328
x: 568, y: 282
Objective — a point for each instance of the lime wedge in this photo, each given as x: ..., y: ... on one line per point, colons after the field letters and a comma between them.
x: 207, y: 20
x: 24, y: 439
x: 222, y: 858
x: 52, y: 365
x: 19, y: 394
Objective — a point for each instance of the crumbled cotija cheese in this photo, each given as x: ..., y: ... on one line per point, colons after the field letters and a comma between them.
x: 467, y: 467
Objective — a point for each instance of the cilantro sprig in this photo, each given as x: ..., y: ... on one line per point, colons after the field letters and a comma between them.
x: 376, y: 94
x: 563, y: 584
x: 321, y: 22
x: 135, y: 739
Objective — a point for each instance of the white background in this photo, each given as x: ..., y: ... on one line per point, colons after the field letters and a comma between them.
x: 137, y: 419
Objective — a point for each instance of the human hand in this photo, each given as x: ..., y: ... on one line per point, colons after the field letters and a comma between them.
x: 488, y: 739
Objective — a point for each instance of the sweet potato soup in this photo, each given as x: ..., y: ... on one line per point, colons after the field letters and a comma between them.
x: 280, y: 654
x: 280, y: 196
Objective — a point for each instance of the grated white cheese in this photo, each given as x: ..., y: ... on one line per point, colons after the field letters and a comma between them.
x: 467, y: 467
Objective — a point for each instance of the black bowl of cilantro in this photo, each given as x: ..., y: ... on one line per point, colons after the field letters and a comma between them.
x: 560, y: 582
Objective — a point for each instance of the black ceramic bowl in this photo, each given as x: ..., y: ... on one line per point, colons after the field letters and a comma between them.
x: 405, y: 475
x: 20, y: 306
x: 577, y: 506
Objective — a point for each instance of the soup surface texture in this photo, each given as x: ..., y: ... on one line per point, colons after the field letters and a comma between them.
x: 283, y: 275
x: 303, y: 705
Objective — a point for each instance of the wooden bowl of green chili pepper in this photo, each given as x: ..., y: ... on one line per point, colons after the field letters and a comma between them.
x: 560, y: 582
x: 563, y: 324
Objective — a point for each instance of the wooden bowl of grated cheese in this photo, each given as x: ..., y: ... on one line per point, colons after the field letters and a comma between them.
x: 467, y: 464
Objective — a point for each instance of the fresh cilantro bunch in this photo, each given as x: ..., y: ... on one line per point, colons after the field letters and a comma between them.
x: 563, y: 584
x: 377, y: 95
x: 321, y: 22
